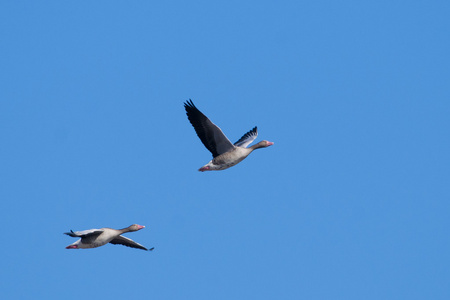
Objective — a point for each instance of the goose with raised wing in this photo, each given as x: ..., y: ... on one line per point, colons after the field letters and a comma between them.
x: 94, y: 238
x: 225, y: 154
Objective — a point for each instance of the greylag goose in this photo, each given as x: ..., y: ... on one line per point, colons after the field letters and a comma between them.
x: 225, y: 154
x: 94, y: 238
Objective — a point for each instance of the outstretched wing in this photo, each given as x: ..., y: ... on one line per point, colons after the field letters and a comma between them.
x: 84, y: 233
x: 247, y: 138
x: 121, y: 240
x: 210, y: 134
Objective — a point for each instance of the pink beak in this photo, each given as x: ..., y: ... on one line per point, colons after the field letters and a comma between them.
x: 140, y: 226
x: 72, y: 247
x: 202, y: 169
x: 269, y: 143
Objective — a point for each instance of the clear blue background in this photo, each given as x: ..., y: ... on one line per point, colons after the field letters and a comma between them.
x: 352, y: 201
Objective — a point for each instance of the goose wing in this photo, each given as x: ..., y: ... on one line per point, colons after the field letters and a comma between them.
x: 121, y: 240
x: 209, y: 133
x: 247, y: 138
x: 85, y: 233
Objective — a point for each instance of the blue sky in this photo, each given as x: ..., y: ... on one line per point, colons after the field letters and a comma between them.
x: 352, y: 201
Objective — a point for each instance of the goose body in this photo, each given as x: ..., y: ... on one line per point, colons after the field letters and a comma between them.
x: 225, y: 154
x: 94, y: 238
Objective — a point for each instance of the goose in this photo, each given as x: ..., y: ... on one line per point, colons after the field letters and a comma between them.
x: 225, y: 154
x: 93, y: 238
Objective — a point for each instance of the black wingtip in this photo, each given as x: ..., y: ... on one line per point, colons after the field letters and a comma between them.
x: 189, y: 104
x: 151, y: 249
x: 71, y: 233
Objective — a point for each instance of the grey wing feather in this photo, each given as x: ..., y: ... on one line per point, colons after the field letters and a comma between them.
x: 209, y: 133
x: 121, y: 240
x: 84, y: 233
x: 247, y: 138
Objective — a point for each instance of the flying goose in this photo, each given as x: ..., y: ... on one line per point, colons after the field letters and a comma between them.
x: 225, y: 154
x: 94, y: 238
